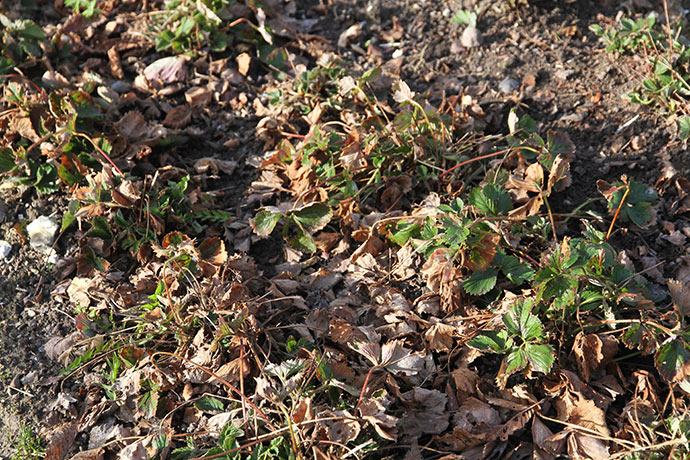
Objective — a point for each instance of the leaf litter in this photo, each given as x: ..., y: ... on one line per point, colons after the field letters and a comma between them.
x: 428, y: 288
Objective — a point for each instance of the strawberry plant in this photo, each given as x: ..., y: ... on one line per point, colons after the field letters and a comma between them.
x: 521, y: 341
x: 298, y: 226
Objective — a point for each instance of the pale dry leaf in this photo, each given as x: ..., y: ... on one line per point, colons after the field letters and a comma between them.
x: 373, y: 410
x: 169, y: 69
x: 440, y: 336
x: 134, y: 451
x: 680, y: 295
x: 261, y: 22
x: 345, y: 429
x: 349, y: 34
x: 243, y: 60
x: 78, y: 291
x: 402, y: 92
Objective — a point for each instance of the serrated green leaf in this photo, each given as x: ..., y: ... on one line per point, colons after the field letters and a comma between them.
x: 264, y: 222
x: 481, y: 282
x: 209, y: 404
x: 314, y: 215
x: 516, y: 271
x: 515, y: 361
x: 491, y: 200
x: 520, y: 321
x: 672, y: 360
x: 492, y: 341
x: 540, y: 357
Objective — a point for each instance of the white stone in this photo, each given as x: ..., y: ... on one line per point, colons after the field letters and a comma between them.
x: 471, y: 37
x: 42, y: 233
x: 5, y: 249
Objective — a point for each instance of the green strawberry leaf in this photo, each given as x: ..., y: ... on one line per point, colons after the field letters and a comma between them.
x: 492, y: 341
x: 265, y: 221
x: 314, y: 215
x: 540, y: 357
x: 481, y: 282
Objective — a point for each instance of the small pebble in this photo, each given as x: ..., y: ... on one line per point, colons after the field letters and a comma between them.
x: 508, y: 86
x: 471, y: 37
x: 5, y: 249
x: 42, y: 233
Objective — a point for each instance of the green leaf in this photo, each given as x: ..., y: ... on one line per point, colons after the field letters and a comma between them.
x: 520, y: 321
x: 515, y: 361
x: 6, y: 159
x: 638, y: 214
x: 403, y: 232
x: 516, y: 271
x: 70, y: 215
x: 314, y: 215
x: 673, y: 360
x: 303, y: 241
x: 684, y: 127
x: 540, y: 357
x: 209, y: 404
x: 465, y: 17
x: 492, y: 341
x: 481, y: 282
x: 491, y: 200
x: 371, y: 75
x: 46, y: 178
x: 100, y: 229
x: 265, y: 221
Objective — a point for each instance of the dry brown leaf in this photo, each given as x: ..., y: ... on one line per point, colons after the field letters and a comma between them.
x: 474, y: 412
x: 343, y: 430
x: 373, y: 410
x: 559, y: 175
x: 593, y: 352
x: 91, y: 454
x: 465, y: 381
x: 60, y: 440
x: 232, y: 371
x: 426, y: 414
x: 178, y: 117
x: 545, y: 448
x: 440, y: 336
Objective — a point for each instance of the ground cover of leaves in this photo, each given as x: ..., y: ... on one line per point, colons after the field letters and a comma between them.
x: 305, y: 229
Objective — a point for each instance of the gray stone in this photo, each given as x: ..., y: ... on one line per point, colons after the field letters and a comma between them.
x: 509, y: 86
x: 42, y: 233
x: 471, y: 37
